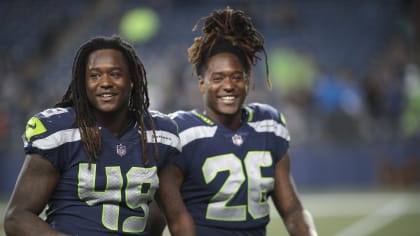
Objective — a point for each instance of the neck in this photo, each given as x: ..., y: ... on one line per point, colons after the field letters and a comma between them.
x: 232, y: 122
x: 117, y: 124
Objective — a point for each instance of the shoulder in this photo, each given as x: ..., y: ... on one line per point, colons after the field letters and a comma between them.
x: 181, y: 115
x: 159, y: 116
x: 187, y: 119
x: 193, y: 125
x: 166, y: 130
x: 48, y: 122
x: 260, y: 111
x: 163, y: 121
x: 264, y: 118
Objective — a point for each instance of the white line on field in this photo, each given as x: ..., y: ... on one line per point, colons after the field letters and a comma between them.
x: 377, y: 219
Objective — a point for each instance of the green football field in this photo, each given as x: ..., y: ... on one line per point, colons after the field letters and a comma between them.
x: 360, y: 214
x: 348, y: 213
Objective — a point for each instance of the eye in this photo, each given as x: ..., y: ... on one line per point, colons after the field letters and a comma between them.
x: 94, y: 76
x: 238, y: 78
x: 115, y: 74
x: 216, y: 79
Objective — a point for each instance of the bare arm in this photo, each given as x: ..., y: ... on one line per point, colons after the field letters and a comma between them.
x: 298, y: 221
x: 169, y: 198
x: 34, y: 186
x: 156, y: 221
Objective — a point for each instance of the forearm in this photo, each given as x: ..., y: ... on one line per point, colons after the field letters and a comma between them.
x: 179, y: 220
x: 300, y: 222
x: 183, y: 226
x: 20, y: 222
x: 156, y: 220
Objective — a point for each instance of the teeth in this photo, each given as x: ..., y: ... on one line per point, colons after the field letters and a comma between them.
x: 228, y: 98
x: 106, y: 95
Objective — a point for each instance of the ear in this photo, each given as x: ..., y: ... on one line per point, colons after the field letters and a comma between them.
x: 247, y: 85
x: 201, y: 84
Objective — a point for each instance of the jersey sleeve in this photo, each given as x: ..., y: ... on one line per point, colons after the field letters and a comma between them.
x: 167, y: 138
x: 284, y: 134
x: 47, y: 133
x: 182, y: 120
x: 281, y: 131
x: 270, y: 120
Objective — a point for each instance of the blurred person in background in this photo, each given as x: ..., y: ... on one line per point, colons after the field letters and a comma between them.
x: 234, y: 155
x: 338, y: 101
x: 97, y: 158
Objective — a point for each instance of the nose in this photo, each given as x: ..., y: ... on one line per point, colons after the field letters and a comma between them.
x: 227, y: 84
x: 105, y: 81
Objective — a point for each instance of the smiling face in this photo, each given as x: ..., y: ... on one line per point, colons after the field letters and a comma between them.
x: 108, y: 84
x: 224, y: 86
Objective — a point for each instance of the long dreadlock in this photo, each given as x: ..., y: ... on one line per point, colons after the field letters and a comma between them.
x: 76, y: 96
x: 227, y: 30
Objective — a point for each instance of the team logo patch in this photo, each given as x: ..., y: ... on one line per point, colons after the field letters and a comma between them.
x: 121, y: 150
x: 237, y: 140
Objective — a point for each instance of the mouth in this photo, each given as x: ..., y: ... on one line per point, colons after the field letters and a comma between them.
x: 106, y: 96
x: 227, y: 99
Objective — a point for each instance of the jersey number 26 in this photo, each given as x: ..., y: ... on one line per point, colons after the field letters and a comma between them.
x: 258, y: 186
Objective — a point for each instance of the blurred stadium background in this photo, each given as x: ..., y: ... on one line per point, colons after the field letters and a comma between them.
x: 345, y: 74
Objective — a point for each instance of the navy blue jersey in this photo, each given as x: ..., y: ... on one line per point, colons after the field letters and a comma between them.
x: 110, y: 195
x: 229, y: 176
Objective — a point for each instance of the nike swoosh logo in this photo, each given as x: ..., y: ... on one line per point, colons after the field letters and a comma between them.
x: 33, y: 126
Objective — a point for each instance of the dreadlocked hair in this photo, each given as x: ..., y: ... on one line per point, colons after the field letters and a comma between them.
x: 227, y: 30
x: 76, y: 96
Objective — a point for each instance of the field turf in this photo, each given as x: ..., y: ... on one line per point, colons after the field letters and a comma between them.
x: 349, y: 213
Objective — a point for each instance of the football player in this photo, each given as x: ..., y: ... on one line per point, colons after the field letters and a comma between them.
x: 97, y: 157
x: 234, y: 155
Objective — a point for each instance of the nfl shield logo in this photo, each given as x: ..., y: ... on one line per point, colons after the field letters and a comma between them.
x: 121, y: 150
x: 237, y: 140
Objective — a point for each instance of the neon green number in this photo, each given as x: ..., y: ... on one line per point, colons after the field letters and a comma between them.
x: 141, y: 186
x: 258, y: 186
